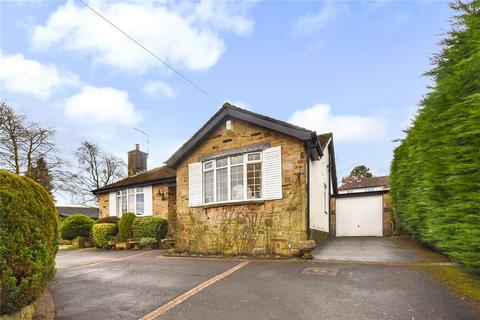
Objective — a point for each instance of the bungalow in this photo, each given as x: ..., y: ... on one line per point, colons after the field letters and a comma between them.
x: 243, y: 184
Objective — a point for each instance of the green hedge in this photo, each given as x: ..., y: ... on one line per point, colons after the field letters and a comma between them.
x: 76, y: 225
x: 102, y: 233
x: 150, y: 227
x: 125, y: 226
x: 435, y: 173
x: 109, y: 219
x: 28, y: 241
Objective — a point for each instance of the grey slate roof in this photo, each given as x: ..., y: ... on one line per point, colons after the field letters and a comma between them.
x: 228, y: 111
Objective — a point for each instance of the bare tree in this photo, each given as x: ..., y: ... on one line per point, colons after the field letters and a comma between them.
x: 96, y: 168
x: 12, y: 134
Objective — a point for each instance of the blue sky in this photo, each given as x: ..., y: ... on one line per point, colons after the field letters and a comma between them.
x: 354, y: 68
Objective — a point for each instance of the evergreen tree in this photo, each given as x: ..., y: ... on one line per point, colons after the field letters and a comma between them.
x: 41, y: 174
x: 435, y: 172
x: 358, y: 173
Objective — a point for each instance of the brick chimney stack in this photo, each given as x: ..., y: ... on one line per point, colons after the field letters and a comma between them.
x: 137, y: 161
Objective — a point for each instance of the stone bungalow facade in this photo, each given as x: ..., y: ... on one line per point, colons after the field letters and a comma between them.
x: 145, y: 193
x: 243, y: 184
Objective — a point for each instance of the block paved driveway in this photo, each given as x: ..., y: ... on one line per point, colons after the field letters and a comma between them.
x: 93, y: 284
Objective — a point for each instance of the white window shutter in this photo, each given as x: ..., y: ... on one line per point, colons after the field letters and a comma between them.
x: 112, y: 204
x: 272, y: 173
x: 195, y: 184
x: 148, y: 203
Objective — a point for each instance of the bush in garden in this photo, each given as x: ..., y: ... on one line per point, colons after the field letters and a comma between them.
x: 147, y: 242
x: 28, y: 241
x: 150, y: 227
x: 435, y: 172
x: 109, y: 219
x: 125, y: 226
x: 102, y: 233
x: 76, y: 225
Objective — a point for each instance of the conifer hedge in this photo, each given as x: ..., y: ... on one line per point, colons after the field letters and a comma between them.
x: 435, y: 172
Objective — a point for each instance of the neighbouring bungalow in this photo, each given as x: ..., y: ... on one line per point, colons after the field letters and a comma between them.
x: 243, y: 184
x: 362, y: 208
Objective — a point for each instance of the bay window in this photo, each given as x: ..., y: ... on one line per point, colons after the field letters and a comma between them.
x: 233, y: 178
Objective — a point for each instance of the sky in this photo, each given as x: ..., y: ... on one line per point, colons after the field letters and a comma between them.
x: 353, y: 68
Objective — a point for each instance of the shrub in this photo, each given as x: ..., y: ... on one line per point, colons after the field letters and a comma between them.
x: 150, y: 227
x: 435, y: 172
x: 28, y: 241
x: 109, y: 219
x: 147, y: 242
x: 125, y: 226
x: 102, y: 233
x: 76, y: 225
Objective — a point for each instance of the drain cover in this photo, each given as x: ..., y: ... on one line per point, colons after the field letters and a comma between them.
x: 321, y: 271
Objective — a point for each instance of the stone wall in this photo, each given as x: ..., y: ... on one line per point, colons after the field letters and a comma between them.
x: 164, y: 205
x: 248, y: 227
x: 103, y: 203
x: 387, y: 215
x: 333, y: 217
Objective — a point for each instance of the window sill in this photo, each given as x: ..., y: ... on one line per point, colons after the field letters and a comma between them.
x: 231, y: 203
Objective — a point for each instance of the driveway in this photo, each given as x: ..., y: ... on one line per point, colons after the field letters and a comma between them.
x: 94, y: 284
x: 375, y: 249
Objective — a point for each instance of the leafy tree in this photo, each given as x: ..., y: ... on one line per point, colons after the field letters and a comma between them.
x: 358, y: 173
x: 435, y: 172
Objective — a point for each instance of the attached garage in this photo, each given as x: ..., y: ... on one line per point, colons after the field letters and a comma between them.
x: 359, y: 216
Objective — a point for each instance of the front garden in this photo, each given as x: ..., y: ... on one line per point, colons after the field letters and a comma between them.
x: 130, y: 231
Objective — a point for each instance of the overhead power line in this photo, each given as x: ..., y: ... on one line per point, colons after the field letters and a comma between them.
x: 150, y: 52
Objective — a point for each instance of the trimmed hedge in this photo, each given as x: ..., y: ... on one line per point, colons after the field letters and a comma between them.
x: 28, y: 241
x: 150, y: 227
x: 76, y: 225
x: 109, y: 219
x: 435, y: 172
x: 102, y: 233
x: 125, y: 226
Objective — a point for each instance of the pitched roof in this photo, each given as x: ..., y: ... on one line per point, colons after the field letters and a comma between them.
x: 324, y: 138
x: 326, y: 141
x: 228, y: 111
x: 156, y: 175
x: 365, y: 183
x: 67, y: 211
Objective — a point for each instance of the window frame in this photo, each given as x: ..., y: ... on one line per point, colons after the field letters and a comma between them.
x: 120, y: 195
x: 229, y: 166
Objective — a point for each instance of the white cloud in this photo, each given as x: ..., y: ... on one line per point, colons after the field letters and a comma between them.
x: 108, y: 106
x: 345, y: 128
x: 184, y: 35
x: 314, y: 22
x: 25, y: 76
x: 156, y: 88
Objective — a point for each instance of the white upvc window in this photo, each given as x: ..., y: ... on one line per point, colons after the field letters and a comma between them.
x: 233, y: 178
x: 131, y: 200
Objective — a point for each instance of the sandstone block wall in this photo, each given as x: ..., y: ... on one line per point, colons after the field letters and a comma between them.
x: 265, y: 227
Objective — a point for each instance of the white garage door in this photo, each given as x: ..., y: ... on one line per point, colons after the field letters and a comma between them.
x: 359, y: 216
